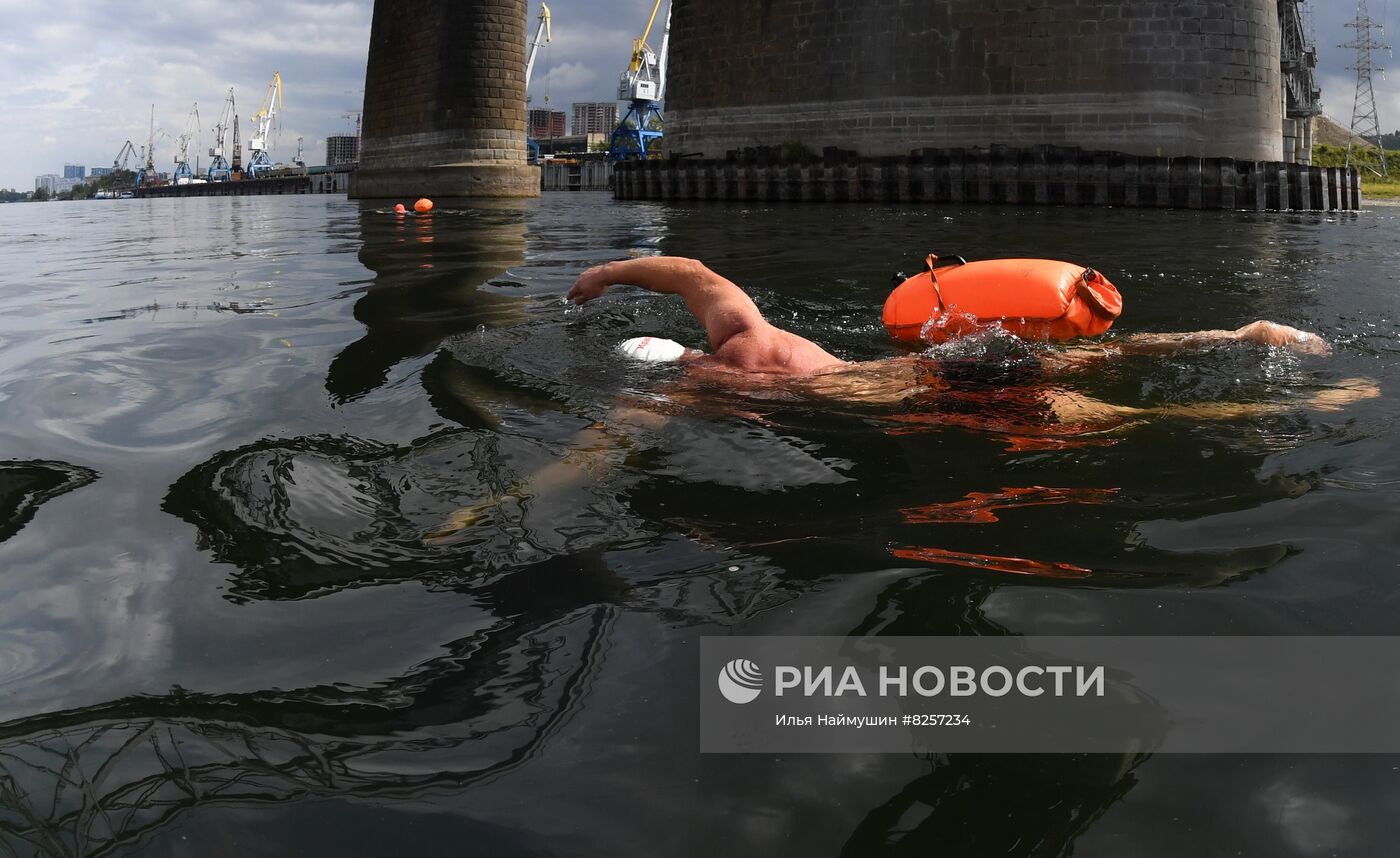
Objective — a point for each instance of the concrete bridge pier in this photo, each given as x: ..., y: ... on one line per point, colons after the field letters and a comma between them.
x: 444, y: 112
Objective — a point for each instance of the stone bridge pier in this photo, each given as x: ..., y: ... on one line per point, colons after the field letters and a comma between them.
x: 444, y: 111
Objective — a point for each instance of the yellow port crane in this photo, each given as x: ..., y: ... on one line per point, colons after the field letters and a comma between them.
x: 259, y: 162
x: 640, y: 48
x: 642, y: 86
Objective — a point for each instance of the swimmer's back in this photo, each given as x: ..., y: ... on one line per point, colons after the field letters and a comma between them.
x: 763, y: 348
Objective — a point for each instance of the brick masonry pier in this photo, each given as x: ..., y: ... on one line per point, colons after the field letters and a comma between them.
x: 1146, y: 77
x: 1039, y: 175
x: 444, y: 111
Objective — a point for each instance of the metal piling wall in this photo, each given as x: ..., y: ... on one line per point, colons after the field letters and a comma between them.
x: 1040, y: 175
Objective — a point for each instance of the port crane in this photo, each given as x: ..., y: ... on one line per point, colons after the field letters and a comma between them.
x: 120, y: 163
x: 219, y: 170
x: 183, y: 174
x: 147, y: 174
x: 643, y: 86
x: 237, y: 171
x: 543, y: 36
x: 259, y: 162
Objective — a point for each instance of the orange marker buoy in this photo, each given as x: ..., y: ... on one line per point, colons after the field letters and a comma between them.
x: 1033, y: 298
x: 423, y: 206
x: 399, y: 209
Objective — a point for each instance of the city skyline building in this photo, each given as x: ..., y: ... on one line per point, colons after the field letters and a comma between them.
x: 594, y: 117
x: 342, y: 149
x: 53, y: 183
x: 544, y: 122
x: 74, y: 171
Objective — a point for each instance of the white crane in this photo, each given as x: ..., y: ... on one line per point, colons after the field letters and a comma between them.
x: 259, y: 162
x: 219, y: 169
x: 543, y: 36
x: 183, y: 174
x: 543, y: 30
x: 643, y: 86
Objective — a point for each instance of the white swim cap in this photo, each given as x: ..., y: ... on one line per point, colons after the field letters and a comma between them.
x: 652, y: 349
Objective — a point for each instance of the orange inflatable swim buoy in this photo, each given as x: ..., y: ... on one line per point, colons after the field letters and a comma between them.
x: 1037, y: 299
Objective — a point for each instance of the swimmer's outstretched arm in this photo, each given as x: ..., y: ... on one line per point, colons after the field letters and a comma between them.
x: 720, y: 306
x: 1261, y: 333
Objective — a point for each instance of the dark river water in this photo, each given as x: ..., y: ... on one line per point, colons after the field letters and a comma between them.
x: 243, y: 611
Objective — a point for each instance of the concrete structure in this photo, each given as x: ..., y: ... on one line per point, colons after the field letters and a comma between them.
x: 342, y: 149
x: 542, y: 123
x: 594, y: 117
x: 573, y: 174
x: 1302, y: 97
x: 573, y: 144
x: 1041, y: 175
x: 1198, y: 78
x: 99, y: 171
x: 74, y: 171
x: 444, y: 111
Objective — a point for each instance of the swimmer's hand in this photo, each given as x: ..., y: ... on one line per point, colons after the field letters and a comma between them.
x: 589, y: 285
x: 1274, y: 334
x: 459, y: 521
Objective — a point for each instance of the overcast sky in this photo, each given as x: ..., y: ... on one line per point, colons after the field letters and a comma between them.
x: 80, y: 77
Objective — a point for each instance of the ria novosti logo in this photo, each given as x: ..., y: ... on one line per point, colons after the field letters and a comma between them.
x: 740, y: 681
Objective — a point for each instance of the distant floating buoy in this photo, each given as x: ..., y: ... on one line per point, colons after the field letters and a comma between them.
x: 423, y: 206
x: 399, y: 209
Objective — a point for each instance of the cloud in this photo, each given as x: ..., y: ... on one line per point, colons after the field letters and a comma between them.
x: 568, y: 76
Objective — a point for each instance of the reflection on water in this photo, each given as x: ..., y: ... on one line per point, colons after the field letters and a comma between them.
x: 428, y: 287
x: 1052, y: 798
x: 310, y: 516
x: 25, y: 486
x: 89, y: 781
x: 411, y: 557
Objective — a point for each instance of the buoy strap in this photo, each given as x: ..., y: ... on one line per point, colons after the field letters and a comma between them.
x: 936, y: 261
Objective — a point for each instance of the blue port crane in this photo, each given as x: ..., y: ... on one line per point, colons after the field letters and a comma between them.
x: 219, y: 169
x: 643, y: 86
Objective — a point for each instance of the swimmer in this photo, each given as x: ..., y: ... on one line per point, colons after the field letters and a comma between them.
x: 748, y: 354
x: 742, y: 340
